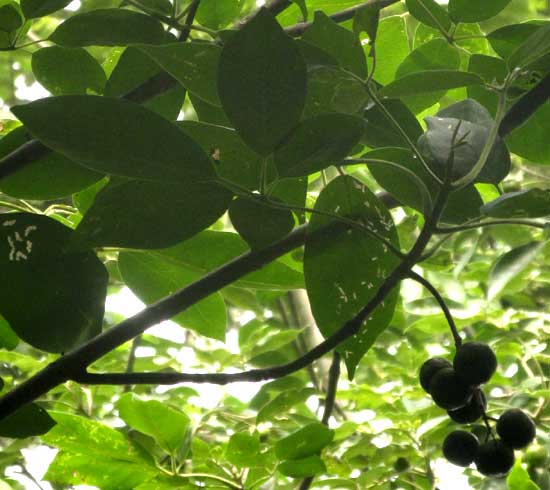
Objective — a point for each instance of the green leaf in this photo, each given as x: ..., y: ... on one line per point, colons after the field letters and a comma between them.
x: 344, y: 269
x: 392, y: 47
x: 429, y: 12
x: 262, y: 82
x: 217, y: 15
x: 303, y: 8
x: 133, y: 69
x: 34, y: 252
x: 342, y: 44
x: 508, y: 38
x: 429, y: 81
x: 152, y: 276
x: 108, y: 27
x: 51, y: 176
x: 141, y: 214
x: 534, y: 52
x: 282, y: 403
x: 367, y: 19
x: 246, y: 214
x: 8, y: 338
x: 29, y: 420
x: 436, y: 54
x: 163, y: 7
x: 307, y: 441
x: 243, y: 450
x: 233, y: 159
x: 401, y: 174
x: 474, y: 11
x: 70, y: 470
x: 169, y: 427
x: 510, y: 265
x: 81, y: 72
x: 194, y: 65
x: 380, y: 132
x: 81, y: 435
x: 302, y: 468
x: 531, y: 203
x: 211, y: 249
x: 117, y: 137
x: 318, y: 142
x: 519, y: 479
x: 10, y: 17
x: 40, y: 8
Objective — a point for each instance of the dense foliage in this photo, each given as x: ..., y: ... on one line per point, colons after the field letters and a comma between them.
x: 301, y: 188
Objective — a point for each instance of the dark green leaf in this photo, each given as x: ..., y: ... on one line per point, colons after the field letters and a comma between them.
x: 233, y: 160
x: 508, y: 38
x: 194, y: 65
x: 211, y: 249
x: 302, y: 468
x: 34, y: 252
x: 342, y: 44
x: 80, y: 73
x: 217, y: 15
x: 491, y: 69
x: 367, y: 19
x: 246, y: 214
x: 429, y: 81
x: 531, y: 203
x: 49, y: 177
x: 534, y: 52
x: 381, y: 132
x: 141, y: 214
x: 262, y: 82
x: 29, y: 420
x: 429, y: 12
x: 303, y: 8
x: 116, y: 136
x: 133, y: 69
x: 8, y: 338
x: 39, y: 8
x: 400, y: 173
x: 154, y: 275
x: 10, y: 17
x: 436, y: 54
x: 318, y: 142
x: 307, y: 441
x: 344, y: 268
x: 510, y: 265
x: 163, y: 7
x: 474, y: 11
x: 165, y: 424
x: 108, y: 27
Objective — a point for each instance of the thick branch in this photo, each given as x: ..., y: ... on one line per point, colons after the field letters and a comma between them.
x: 347, y: 14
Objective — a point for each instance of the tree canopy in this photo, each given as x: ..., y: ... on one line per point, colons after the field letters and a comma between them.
x: 331, y: 219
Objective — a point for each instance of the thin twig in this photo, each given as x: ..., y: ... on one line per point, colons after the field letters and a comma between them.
x: 435, y: 293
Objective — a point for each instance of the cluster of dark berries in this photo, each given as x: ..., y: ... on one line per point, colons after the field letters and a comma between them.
x: 456, y: 388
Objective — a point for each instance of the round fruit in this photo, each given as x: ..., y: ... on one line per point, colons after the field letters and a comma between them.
x: 470, y: 412
x: 516, y: 428
x: 448, y: 390
x: 460, y: 447
x: 401, y: 464
x: 494, y: 458
x: 475, y: 363
x: 429, y: 368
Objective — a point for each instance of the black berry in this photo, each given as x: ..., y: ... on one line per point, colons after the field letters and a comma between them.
x: 401, y: 464
x: 475, y: 363
x: 429, y: 368
x: 448, y: 390
x: 494, y: 458
x: 460, y: 447
x: 516, y: 428
x: 470, y: 412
